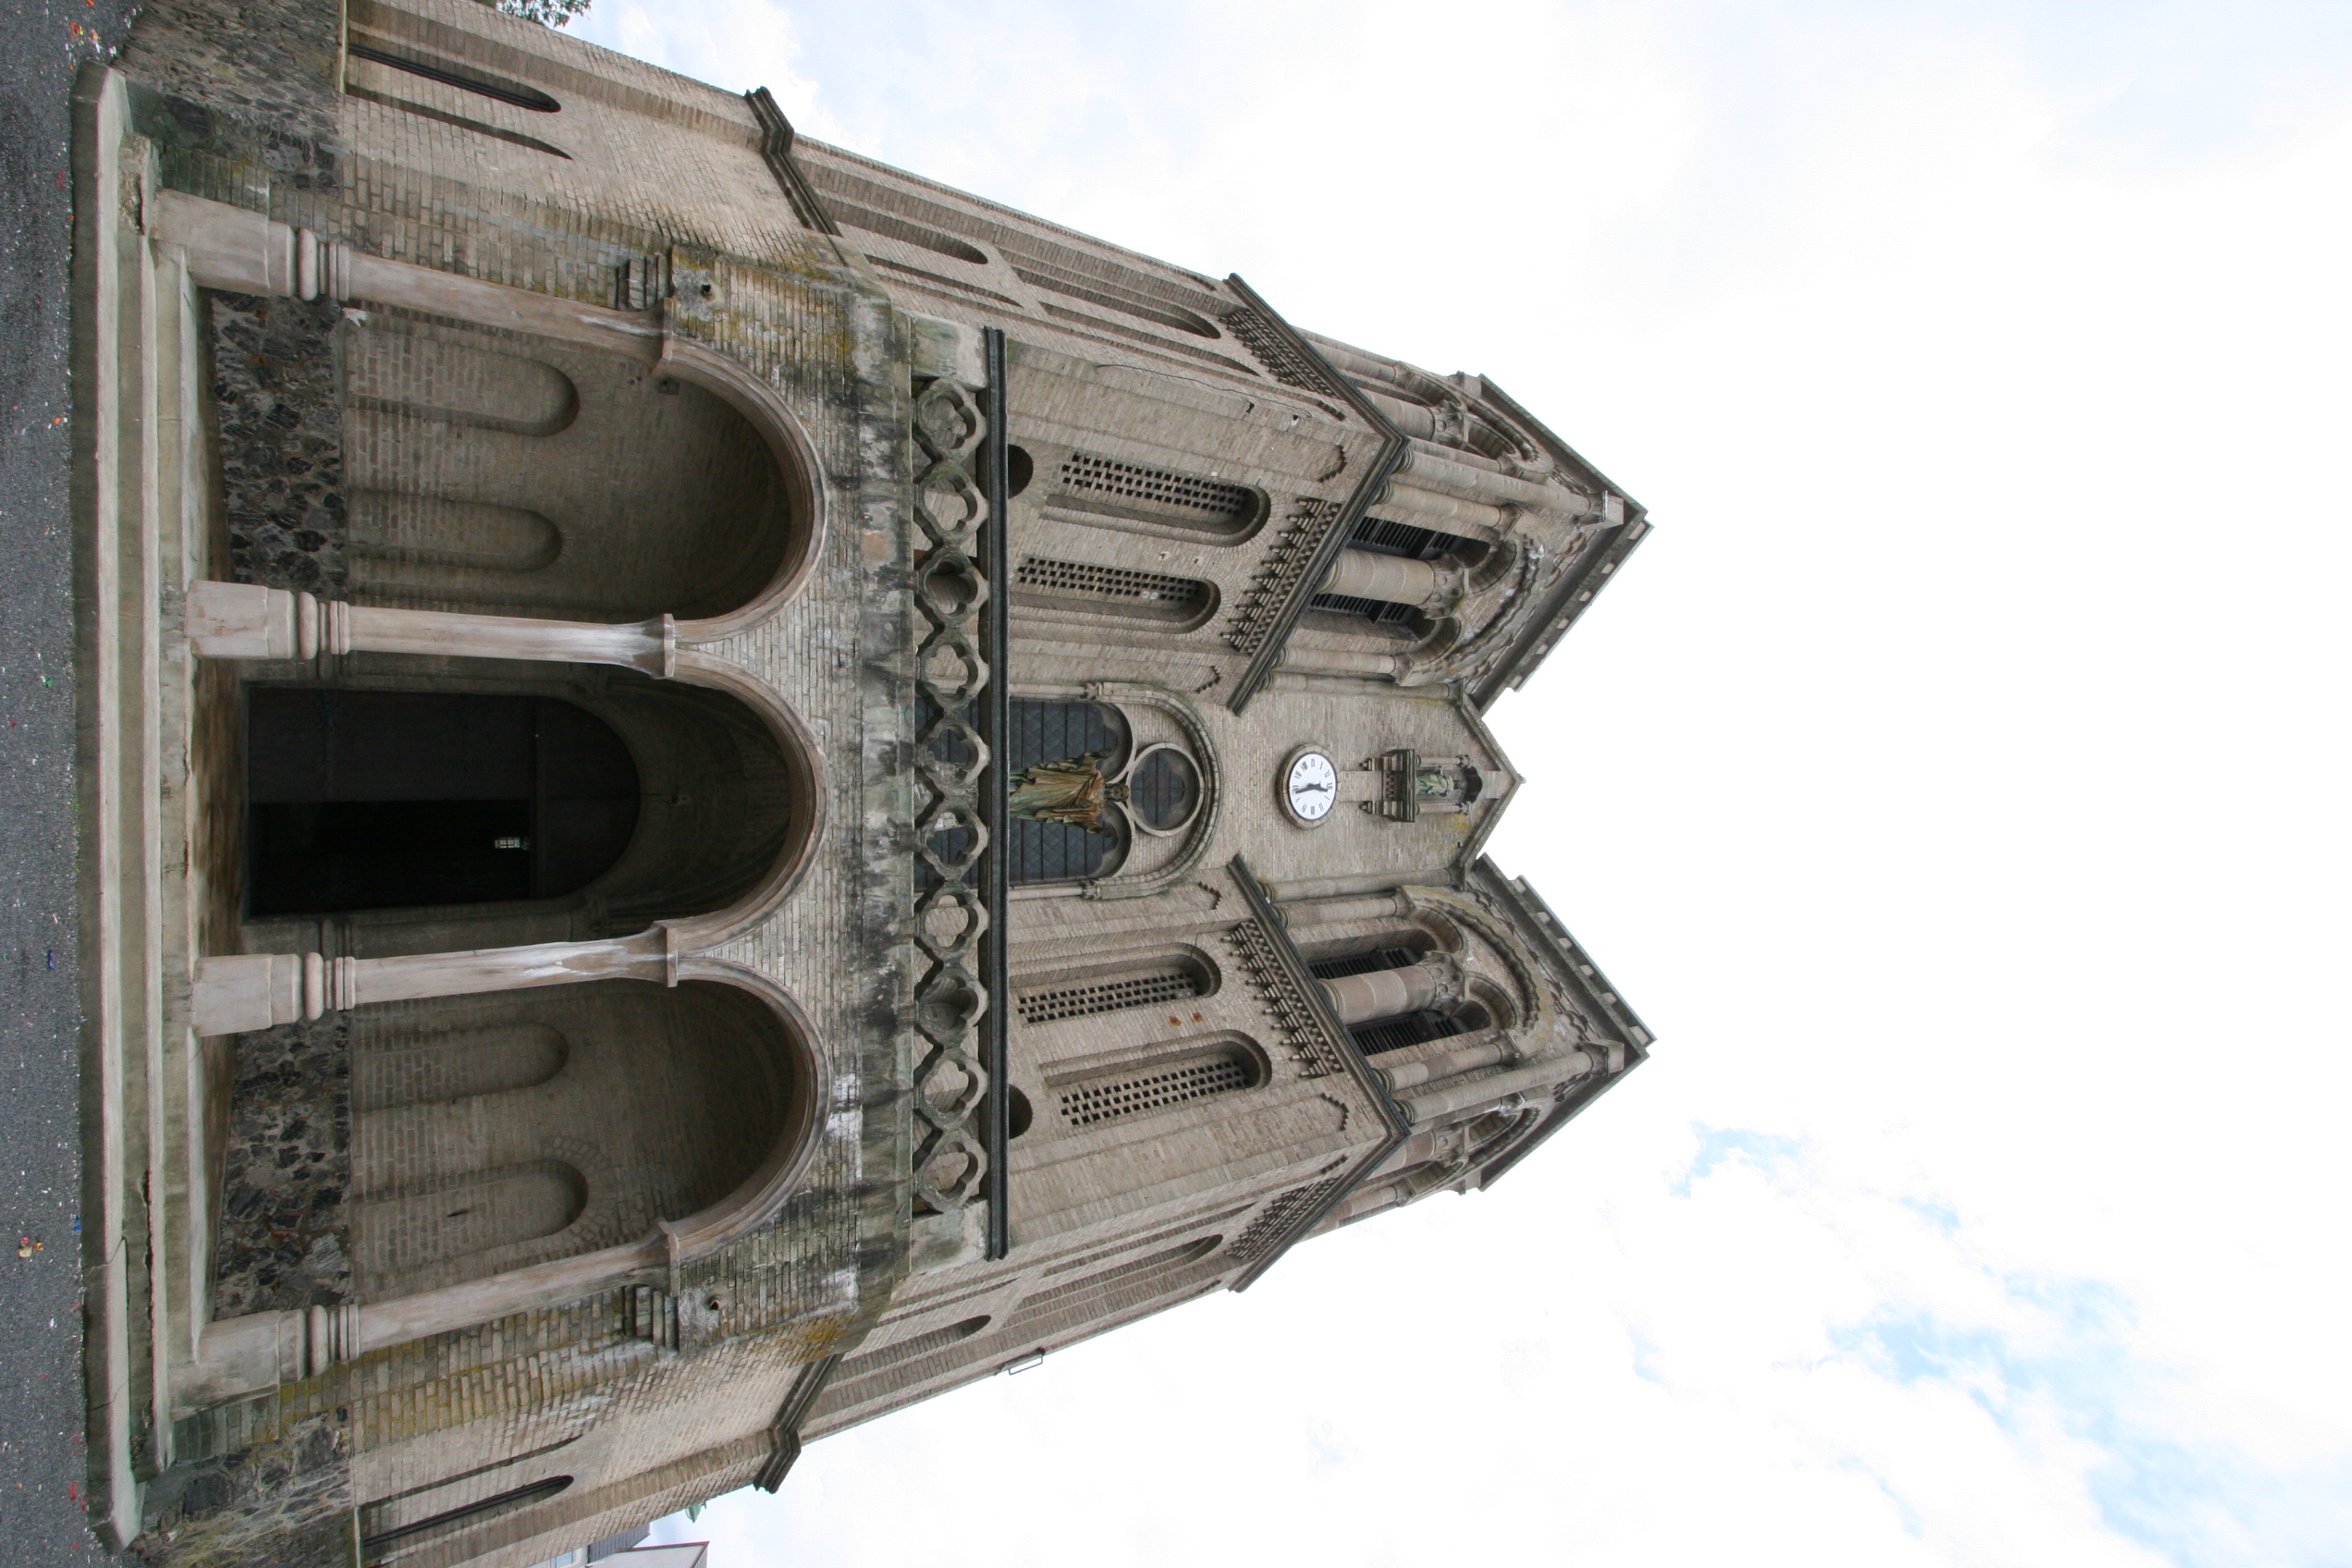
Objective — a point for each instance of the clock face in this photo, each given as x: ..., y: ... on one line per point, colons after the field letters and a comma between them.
x: 1311, y: 787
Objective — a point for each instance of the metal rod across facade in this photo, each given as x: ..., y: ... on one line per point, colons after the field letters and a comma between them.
x: 995, y: 729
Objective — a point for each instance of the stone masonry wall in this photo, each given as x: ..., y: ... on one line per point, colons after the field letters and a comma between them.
x: 242, y: 109
x: 284, y: 1238
x: 280, y: 413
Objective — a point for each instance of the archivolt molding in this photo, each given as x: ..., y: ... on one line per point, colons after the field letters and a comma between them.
x: 1563, y: 1020
x: 1203, y: 827
x: 1531, y: 568
x: 1524, y: 1121
x: 806, y: 1086
x: 796, y: 463
x: 1534, y: 569
x: 804, y: 758
x: 1541, y: 1010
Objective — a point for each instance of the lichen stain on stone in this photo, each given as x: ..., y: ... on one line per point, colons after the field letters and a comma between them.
x: 822, y: 1337
x: 285, y: 1500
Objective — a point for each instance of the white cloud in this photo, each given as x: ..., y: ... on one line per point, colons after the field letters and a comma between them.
x: 1955, y: 780
x: 737, y: 45
x: 1773, y: 1365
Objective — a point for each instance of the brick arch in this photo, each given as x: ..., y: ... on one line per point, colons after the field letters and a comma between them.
x: 794, y: 455
x: 503, y: 473
x: 728, y: 815
x: 797, y: 1056
x: 681, y: 1117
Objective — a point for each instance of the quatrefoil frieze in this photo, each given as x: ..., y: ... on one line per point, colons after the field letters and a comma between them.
x: 949, y: 757
x: 945, y: 419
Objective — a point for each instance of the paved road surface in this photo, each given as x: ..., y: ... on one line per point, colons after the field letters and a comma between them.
x: 41, y: 1466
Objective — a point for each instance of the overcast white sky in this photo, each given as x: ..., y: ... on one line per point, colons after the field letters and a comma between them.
x: 1955, y: 781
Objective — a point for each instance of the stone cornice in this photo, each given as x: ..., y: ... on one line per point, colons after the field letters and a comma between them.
x: 1301, y: 588
x: 1309, y: 995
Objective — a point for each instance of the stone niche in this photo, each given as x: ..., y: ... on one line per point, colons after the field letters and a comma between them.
x: 504, y: 474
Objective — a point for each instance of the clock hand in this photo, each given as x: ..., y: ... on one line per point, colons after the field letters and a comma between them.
x: 1307, y: 789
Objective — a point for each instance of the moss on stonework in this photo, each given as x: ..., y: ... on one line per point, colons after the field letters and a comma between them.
x: 227, y: 157
x: 238, y: 100
x: 286, y: 1502
x: 267, y: 63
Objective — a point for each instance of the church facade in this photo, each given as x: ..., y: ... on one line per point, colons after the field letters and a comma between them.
x: 724, y: 788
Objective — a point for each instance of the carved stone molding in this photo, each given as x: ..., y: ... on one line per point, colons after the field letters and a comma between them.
x: 1283, y: 361
x: 950, y: 920
x: 1315, y: 1049
x: 1294, y: 552
x: 1201, y: 829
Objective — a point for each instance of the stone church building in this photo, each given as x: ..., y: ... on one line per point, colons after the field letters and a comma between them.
x: 724, y: 788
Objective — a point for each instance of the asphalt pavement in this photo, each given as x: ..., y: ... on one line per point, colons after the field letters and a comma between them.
x: 44, y: 1481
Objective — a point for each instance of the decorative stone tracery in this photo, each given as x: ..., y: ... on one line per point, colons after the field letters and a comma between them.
x: 1294, y: 551
x: 808, y: 1252
x: 1318, y: 1052
x: 951, y: 759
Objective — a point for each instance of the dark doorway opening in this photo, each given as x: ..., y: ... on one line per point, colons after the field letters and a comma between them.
x: 394, y: 800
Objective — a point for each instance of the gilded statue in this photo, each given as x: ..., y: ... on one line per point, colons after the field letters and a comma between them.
x: 1071, y: 791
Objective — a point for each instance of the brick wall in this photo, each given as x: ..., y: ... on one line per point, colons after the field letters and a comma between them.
x: 609, y: 1108
x: 429, y: 462
x: 505, y: 475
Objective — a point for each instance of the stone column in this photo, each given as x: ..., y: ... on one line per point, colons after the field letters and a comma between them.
x: 1390, y: 905
x: 1412, y: 418
x: 233, y: 995
x: 380, y: 1323
x: 240, y: 1356
x: 1446, y: 514
x: 1367, y: 574
x: 1431, y: 468
x: 230, y: 248
x: 1340, y: 661
x: 1302, y: 888
x: 1482, y: 1093
x: 1386, y: 993
x: 1395, y: 1190
x: 1371, y: 1199
x: 236, y: 620
x: 236, y: 1356
x: 1452, y: 1064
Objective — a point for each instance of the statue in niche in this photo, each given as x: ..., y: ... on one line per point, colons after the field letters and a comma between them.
x: 1071, y: 791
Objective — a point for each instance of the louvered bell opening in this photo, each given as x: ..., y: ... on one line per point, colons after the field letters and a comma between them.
x: 1380, y: 611
x: 1405, y: 1029
x: 1362, y: 963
